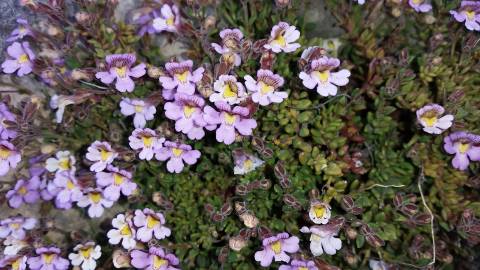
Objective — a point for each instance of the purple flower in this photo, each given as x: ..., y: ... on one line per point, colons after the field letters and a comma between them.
x: 16, y: 226
x: 465, y: 146
x: 68, y: 189
x: 282, y: 37
x: 299, y: 265
x: 177, y: 153
x: 229, y: 90
x: 119, y: 67
x: 320, y: 76
x: 115, y: 181
x: 102, y: 154
x: 145, y: 23
x: 169, y: 19
x: 154, y: 259
x: 48, y: 259
x: 141, y: 110
x: 429, y: 117
x: 264, y: 88
x: 147, y: 141
x: 231, y: 46
x: 230, y: 120
x: 468, y: 13
x: 361, y: 2
x: 24, y: 192
x: 14, y: 262
x: 9, y: 157
x: 420, y: 5
x: 180, y: 78
x: 150, y: 223
x: 48, y: 190
x: 187, y: 111
x: 5, y: 115
x: 95, y: 201
x: 21, y: 59
x: 277, y: 247
x: 21, y: 31
x: 123, y: 231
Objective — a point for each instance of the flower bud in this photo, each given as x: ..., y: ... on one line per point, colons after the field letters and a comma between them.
x: 155, y: 72
x: 351, y: 233
x: 282, y: 3
x: 209, y: 22
x: 249, y: 220
x: 237, y: 243
x: 82, y: 17
x: 121, y: 259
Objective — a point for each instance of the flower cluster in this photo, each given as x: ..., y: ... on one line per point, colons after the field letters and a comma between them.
x: 142, y: 226
x: 18, y: 253
x: 164, y: 18
x: 9, y: 155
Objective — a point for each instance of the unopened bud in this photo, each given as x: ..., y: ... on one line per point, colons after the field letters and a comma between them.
x: 249, y: 220
x: 121, y: 259
x: 282, y: 3
x: 237, y: 243
x: 209, y: 22
x: 82, y: 17
x: 155, y: 72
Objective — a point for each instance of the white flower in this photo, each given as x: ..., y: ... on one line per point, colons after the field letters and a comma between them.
x: 86, y: 256
x: 430, y: 117
x: 59, y: 103
x: 229, y: 90
x: 377, y: 265
x: 13, y: 246
x: 123, y: 232
x: 282, y: 38
x: 62, y: 161
x: 245, y: 163
x: 322, y: 240
x: 319, y: 212
x: 95, y: 201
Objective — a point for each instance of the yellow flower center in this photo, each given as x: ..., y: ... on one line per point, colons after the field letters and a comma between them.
x: 16, y: 264
x: 48, y: 257
x: 117, y: 179
x: 416, y: 2
x: 188, y: 110
x: 64, y: 164
x: 280, y: 41
x: 322, y: 75
x: 95, y: 197
x: 147, y: 141
x: 228, y: 91
x: 229, y: 118
x: 22, y: 190
x: 70, y: 185
x: 177, y: 152
x: 429, y: 121
x: 121, y: 71
x: 182, y: 77
x: 248, y: 164
x: 463, y: 147
x: 470, y: 14
x: 319, y: 211
x: 126, y: 230
x: 4, y: 153
x: 265, y: 88
x: 170, y: 21
x: 22, y: 30
x: 302, y: 268
x: 138, y: 108
x: 277, y: 247
x: 23, y: 58
x: 104, y: 155
x: 86, y: 252
x: 152, y: 222
x: 158, y: 262
x: 15, y: 225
